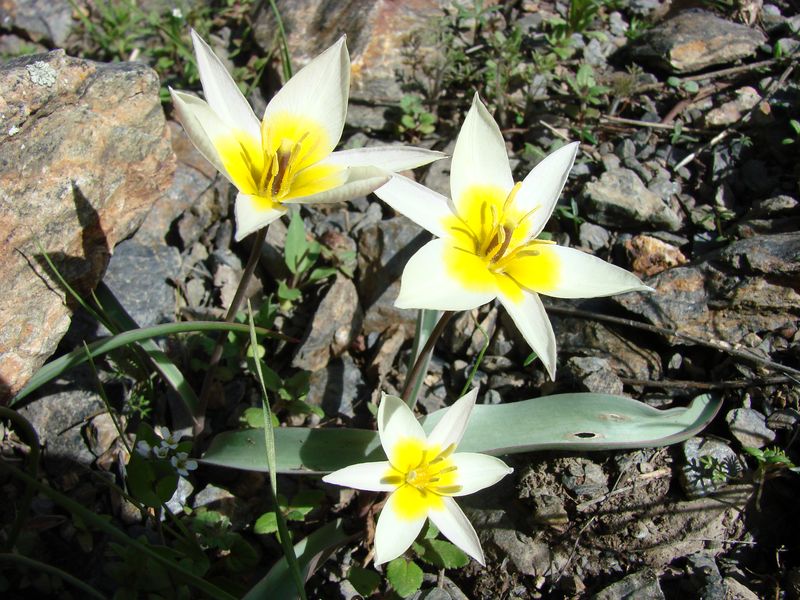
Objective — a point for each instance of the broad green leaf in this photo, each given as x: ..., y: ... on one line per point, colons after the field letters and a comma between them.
x: 296, y: 244
x: 311, y: 552
x: 365, y: 581
x: 404, y: 575
x: 442, y: 554
x: 266, y: 523
x: 560, y: 422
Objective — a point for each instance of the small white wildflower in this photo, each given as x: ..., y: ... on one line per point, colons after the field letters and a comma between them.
x: 176, y: 13
x: 143, y: 448
x: 183, y: 464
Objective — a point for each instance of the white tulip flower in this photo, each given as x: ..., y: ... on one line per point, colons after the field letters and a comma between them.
x: 423, y: 474
x: 487, y: 244
x: 288, y: 156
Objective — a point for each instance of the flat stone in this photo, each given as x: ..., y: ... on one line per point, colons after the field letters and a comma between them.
x: 89, y: 155
x: 43, y: 20
x: 593, y: 374
x: 642, y: 585
x: 732, y: 111
x: 749, y: 427
x: 135, y: 267
x: 58, y: 418
x: 335, y: 324
x: 696, y: 39
x: 337, y: 387
x: 740, y: 289
x: 594, y: 237
x: 528, y: 556
x: 709, y: 464
x: 620, y: 199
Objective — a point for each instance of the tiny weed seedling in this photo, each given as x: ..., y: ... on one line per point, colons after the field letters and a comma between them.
x: 296, y: 509
x: 301, y: 257
x: 416, y: 122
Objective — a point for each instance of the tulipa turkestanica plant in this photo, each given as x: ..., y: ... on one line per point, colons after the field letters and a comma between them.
x: 486, y: 247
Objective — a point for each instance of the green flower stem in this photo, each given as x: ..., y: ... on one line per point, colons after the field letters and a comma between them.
x: 216, y: 355
x: 28, y: 434
x: 417, y: 371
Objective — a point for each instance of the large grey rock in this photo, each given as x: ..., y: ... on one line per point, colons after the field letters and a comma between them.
x: 594, y: 374
x: 620, y: 199
x: 84, y: 153
x: 58, y: 418
x: 696, y: 39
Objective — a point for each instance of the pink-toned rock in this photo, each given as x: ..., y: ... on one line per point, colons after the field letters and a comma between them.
x: 84, y: 153
x: 650, y: 255
x: 377, y: 33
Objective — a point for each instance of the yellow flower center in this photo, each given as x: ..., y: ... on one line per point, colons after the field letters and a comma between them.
x: 422, y: 474
x: 283, y: 164
x: 490, y: 241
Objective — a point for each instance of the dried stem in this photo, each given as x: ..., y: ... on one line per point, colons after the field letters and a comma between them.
x: 236, y: 304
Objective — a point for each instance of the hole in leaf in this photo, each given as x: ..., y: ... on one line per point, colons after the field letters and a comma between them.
x: 585, y: 434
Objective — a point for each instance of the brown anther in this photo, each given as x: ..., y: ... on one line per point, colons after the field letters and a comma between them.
x: 507, y: 231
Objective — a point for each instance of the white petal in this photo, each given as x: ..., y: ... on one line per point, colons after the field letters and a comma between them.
x: 542, y: 186
x: 201, y: 124
x: 251, y: 217
x: 477, y: 471
x: 480, y: 156
x: 396, y: 422
x: 531, y: 319
x: 427, y: 283
x: 221, y: 91
x: 581, y: 275
x: 420, y: 204
x: 450, y: 428
x: 455, y: 526
x: 362, y: 476
x: 358, y: 181
x: 388, y: 158
x: 393, y: 534
x: 318, y: 92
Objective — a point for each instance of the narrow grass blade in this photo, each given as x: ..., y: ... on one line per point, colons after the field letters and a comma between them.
x: 286, y: 60
x: 269, y: 452
x: 561, y: 422
x: 55, y: 368
x: 160, y: 361
x: 311, y: 552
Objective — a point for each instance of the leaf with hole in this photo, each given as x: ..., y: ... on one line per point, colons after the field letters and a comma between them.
x: 561, y: 422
